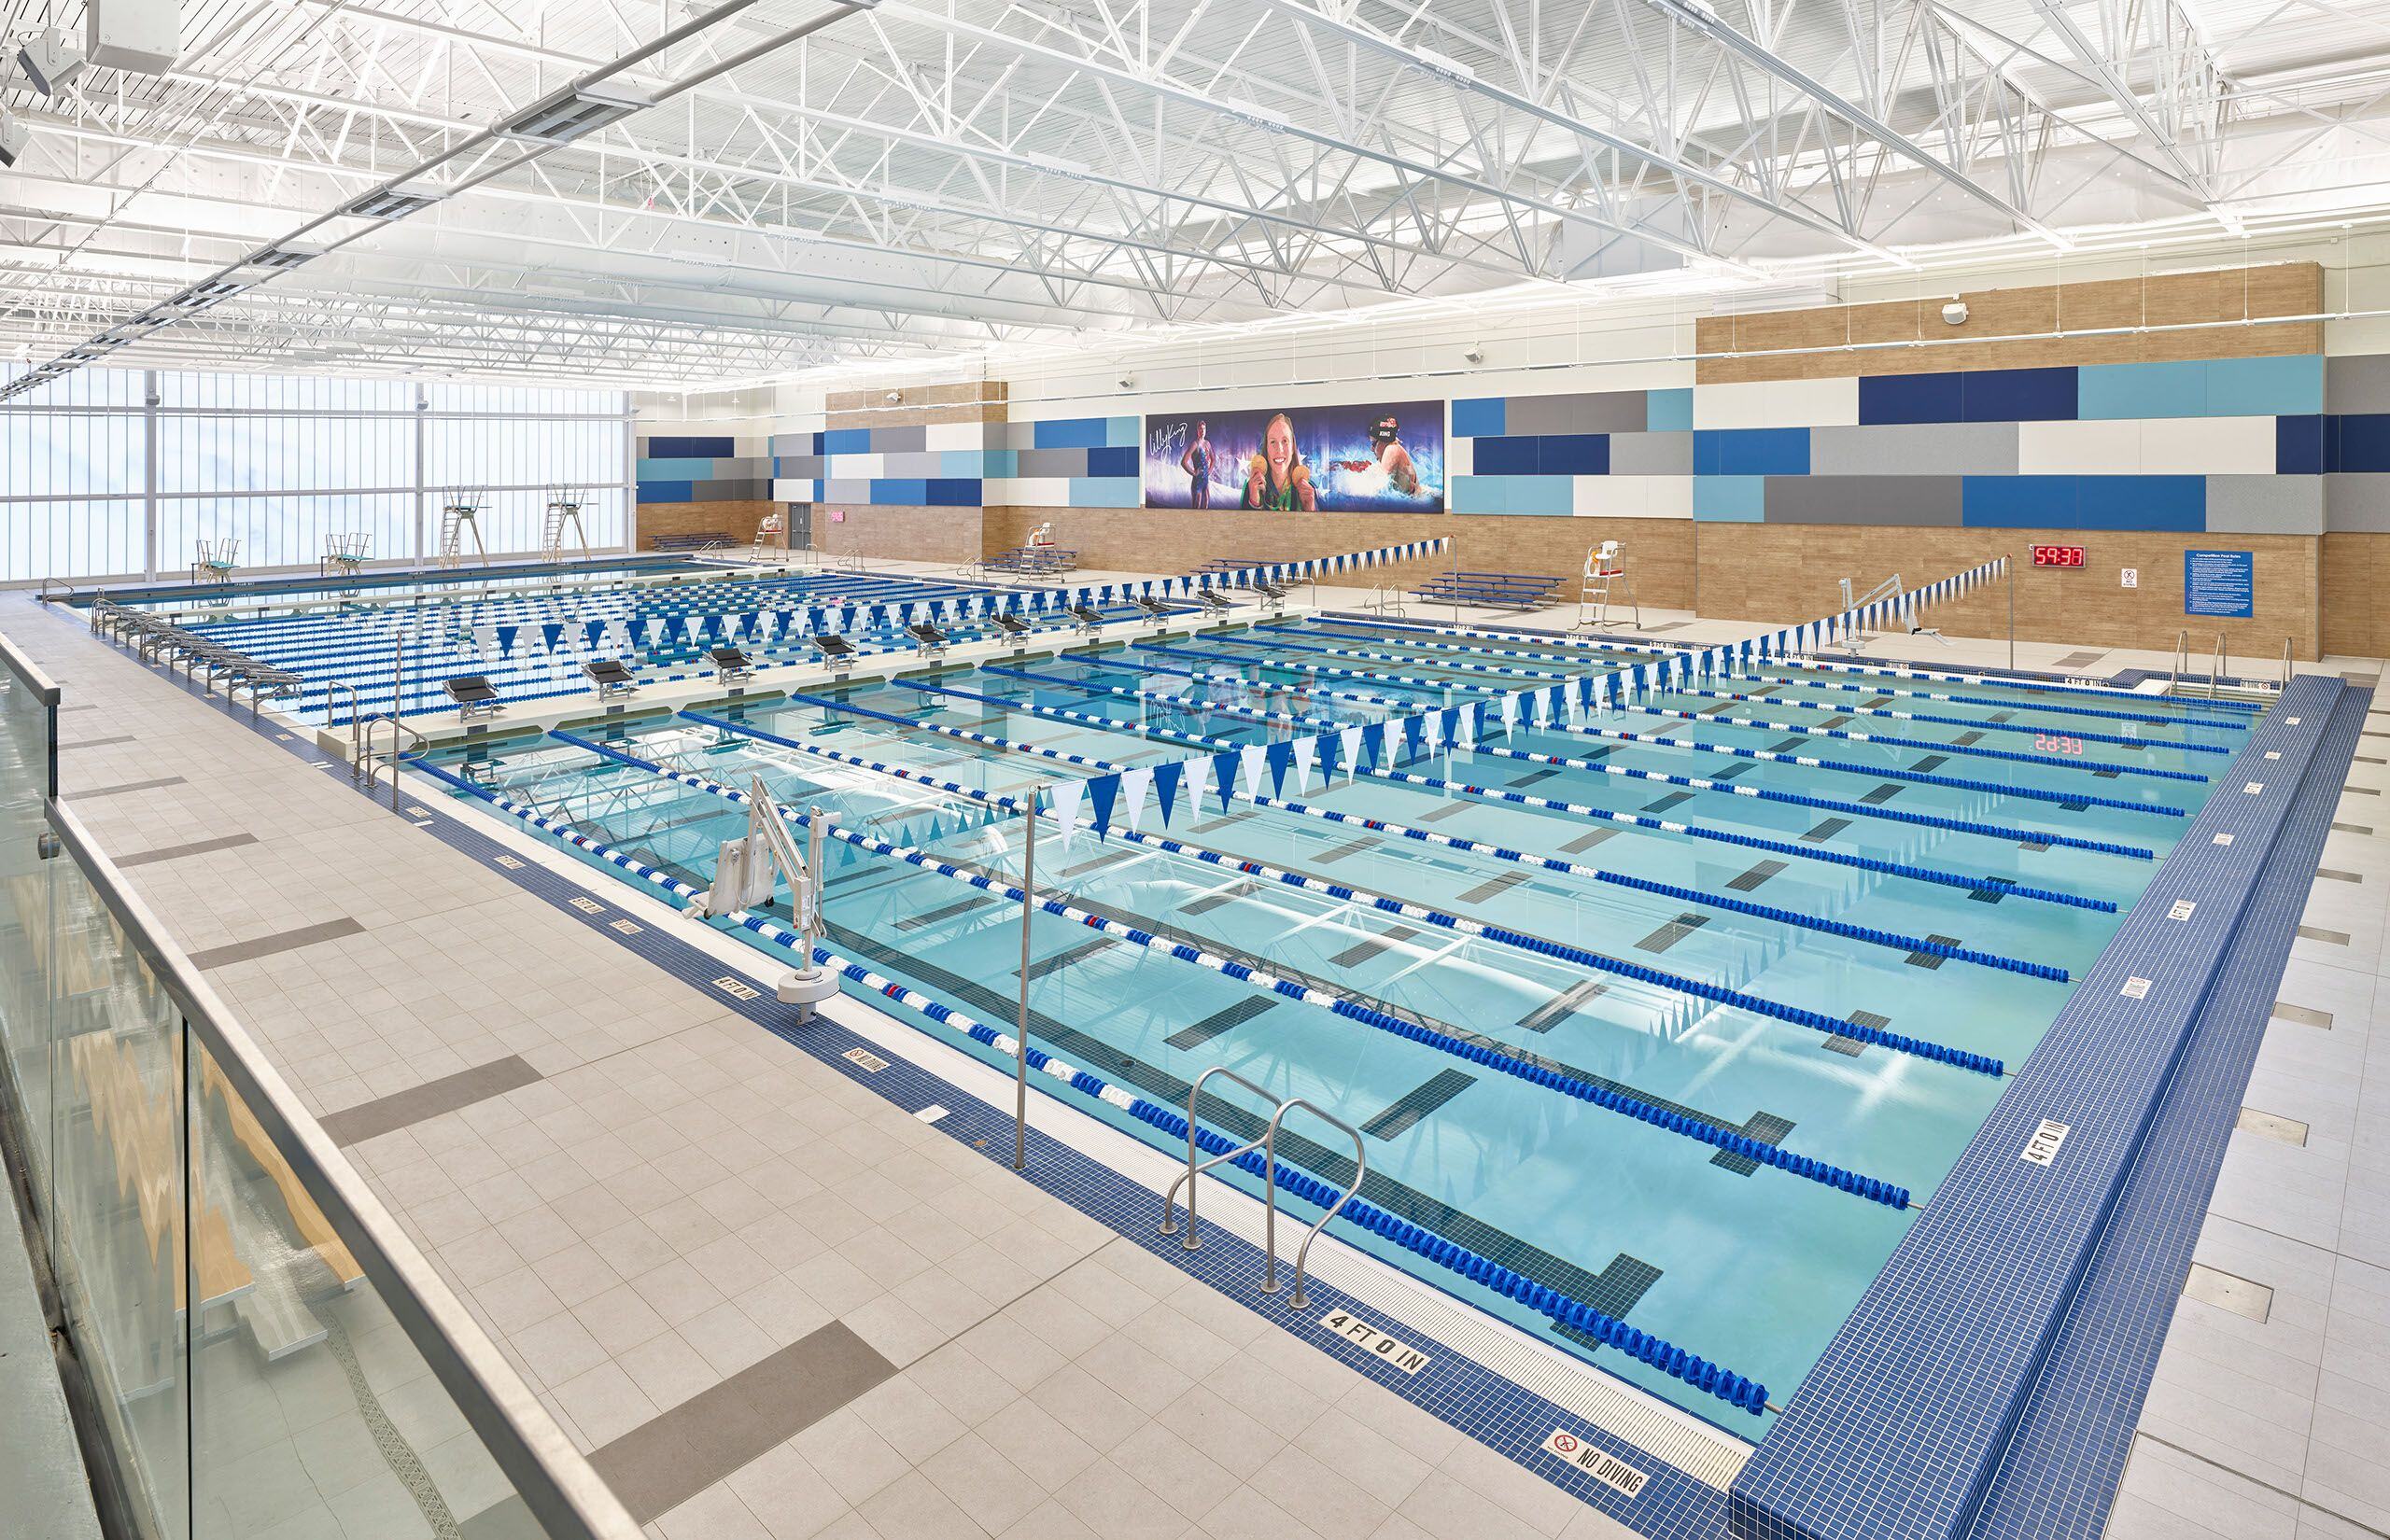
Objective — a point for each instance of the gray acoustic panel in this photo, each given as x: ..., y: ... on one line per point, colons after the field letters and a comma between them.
x: 730, y: 492
x: 804, y: 467
x: 1052, y: 462
x: 1651, y: 454
x: 2359, y: 383
x: 1915, y: 449
x: 1592, y: 411
x: 2265, y: 505
x: 909, y: 439
x: 845, y: 492
x: 917, y: 463
x: 2357, y: 503
x: 1928, y: 500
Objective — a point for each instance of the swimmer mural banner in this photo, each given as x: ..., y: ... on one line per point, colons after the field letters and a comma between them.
x: 1305, y: 459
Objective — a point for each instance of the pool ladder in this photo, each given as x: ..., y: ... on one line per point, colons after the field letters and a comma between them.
x: 1267, y: 1144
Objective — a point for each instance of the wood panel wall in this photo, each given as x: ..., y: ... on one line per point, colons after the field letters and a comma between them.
x: 1784, y: 572
x: 2025, y: 327
x: 1178, y: 540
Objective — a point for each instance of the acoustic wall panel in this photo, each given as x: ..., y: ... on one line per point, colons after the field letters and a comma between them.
x: 1658, y: 454
x: 1929, y: 500
x: 1750, y: 451
x: 1915, y: 449
x: 2142, y: 391
x: 691, y: 447
x: 1911, y: 397
x: 2288, y: 385
x: 2018, y: 395
x: 1481, y: 417
x: 1599, y: 411
x: 2068, y: 448
x: 2265, y: 505
x: 2298, y: 446
x: 1668, y: 411
x: 2357, y: 504
x: 2209, y: 447
x: 2361, y: 382
x: 1730, y: 499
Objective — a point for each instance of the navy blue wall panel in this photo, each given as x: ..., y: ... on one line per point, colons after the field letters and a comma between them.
x: 1102, y: 461
x: 955, y: 492
x: 665, y: 492
x: 1574, y: 455
x: 2298, y: 446
x: 2020, y: 395
x: 690, y: 449
x: 1909, y: 398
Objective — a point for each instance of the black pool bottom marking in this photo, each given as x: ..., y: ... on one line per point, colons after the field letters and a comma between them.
x: 1673, y: 932
x: 1447, y: 810
x: 1881, y: 700
x: 1757, y: 875
x: 1767, y: 1128
x: 1563, y: 1005
x: 1966, y: 739
x: 1500, y: 884
x: 945, y: 912
x: 1355, y: 955
x: 1929, y: 959
x: 1881, y: 794
x: 1353, y: 847
x: 1583, y: 843
x: 1217, y: 1022
x: 1834, y: 721
x: 1109, y: 857
x: 1741, y: 768
x: 1826, y: 831
x: 1521, y: 783
x: 1045, y: 967
x: 1668, y: 801
x: 1404, y: 1114
x: 1613, y: 1291
x: 1995, y: 893
x: 1210, y: 901
x: 1787, y: 745
x: 1930, y: 763
x: 1851, y: 1046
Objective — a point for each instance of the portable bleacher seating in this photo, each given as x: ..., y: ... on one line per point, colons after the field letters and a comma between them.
x: 612, y: 676
x: 476, y: 698
x: 731, y: 664
x: 1489, y: 590
x: 928, y: 641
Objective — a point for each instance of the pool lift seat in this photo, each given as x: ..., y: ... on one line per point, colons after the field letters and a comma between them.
x: 731, y: 664
x: 1090, y: 619
x: 612, y: 676
x: 475, y: 698
x: 836, y: 650
x: 928, y: 641
x: 748, y: 871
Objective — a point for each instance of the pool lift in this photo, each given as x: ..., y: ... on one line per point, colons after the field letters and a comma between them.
x: 928, y: 641
x: 749, y: 869
x: 1902, y: 605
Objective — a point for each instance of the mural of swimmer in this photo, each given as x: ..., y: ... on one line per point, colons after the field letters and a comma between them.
x: 1338, y: 459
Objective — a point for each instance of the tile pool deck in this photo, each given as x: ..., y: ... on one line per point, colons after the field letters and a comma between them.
x: 820, y: 1238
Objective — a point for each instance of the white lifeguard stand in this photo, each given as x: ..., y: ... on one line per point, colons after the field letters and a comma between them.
x: 461, y: 520
x: 1605, y: 569
x: 768, y: 537
x: 564, y: 518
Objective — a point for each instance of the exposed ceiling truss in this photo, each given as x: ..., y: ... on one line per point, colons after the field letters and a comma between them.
x: 933, y: 177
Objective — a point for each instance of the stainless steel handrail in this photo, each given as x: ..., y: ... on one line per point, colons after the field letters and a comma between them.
x: 2216, y: 673
x: 2285, y: 664
x: 1270, y: 1208
x: 554, y: 1482
x: 1170, y: 1199
x: 2182, y: 658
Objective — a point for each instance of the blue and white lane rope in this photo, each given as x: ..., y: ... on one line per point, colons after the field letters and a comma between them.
x: 2095, y: 691
x: 1347, y: 634
x: 1716, y: 994
x: 1964, y: 750
x: 1635, y: 821
x: 1491, y: 1055
x: 1698, y: 783
x: 1532, y: 675
x: 1978, y: 724
x: 1868, y: 934
x: 1674, y: 1362
x: 1238, y: 660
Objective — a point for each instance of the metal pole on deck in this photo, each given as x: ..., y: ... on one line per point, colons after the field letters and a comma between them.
x: 2012, y: 613
x: 398, y: 710
x: 1020, y: 1024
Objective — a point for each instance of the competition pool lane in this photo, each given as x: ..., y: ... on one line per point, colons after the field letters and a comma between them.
x: 1750, y: 1265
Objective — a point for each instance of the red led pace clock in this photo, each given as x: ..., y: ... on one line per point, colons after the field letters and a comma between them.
x: 2058, y: 556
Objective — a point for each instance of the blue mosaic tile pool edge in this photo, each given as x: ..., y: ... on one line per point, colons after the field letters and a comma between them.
x: 1898, y: 1429
x: 2058, y: 1477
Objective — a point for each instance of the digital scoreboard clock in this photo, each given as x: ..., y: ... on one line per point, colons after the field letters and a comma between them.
x: 2058, y: 556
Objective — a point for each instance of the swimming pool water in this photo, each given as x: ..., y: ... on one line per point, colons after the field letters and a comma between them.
x: 1750, y: 1267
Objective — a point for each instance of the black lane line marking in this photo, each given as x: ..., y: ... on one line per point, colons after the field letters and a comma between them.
x: 1493, y: 888
x: 1756, y: 875
x: 1210, y: 901
x: 1931, y: 959
x: 1668, y: 801
x: 1826, y: 831
x: 1326, y: 858
x: 945, y: 912
x: 1930, y: 763
x: 1403, y: 1115
x: 1212, y: 1026
x: 1355, y: 955
x: 1966, y: 739
x: 1767, y: 1128
x: 1673, y: 932
x: 1447, y: 810
x: 1532, y: 777
x: 1882, y: 794
x: 1787, y: 745
x: 1583, y: 843
x: 1563, y: 1005
x: 1060, y: 960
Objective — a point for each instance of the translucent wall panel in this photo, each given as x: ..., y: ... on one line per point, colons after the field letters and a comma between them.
x: 85, y: 538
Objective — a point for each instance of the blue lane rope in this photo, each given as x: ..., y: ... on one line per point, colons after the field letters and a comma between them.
x: 2104, y: 712
x: 1979, y: 724
x: 1869, y: 934
x: 1754, y: 842
x: 1970, y: 750
x: 1733, y: 1389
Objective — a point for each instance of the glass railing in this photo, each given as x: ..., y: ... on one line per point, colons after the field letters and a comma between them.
x: 261, y: 1349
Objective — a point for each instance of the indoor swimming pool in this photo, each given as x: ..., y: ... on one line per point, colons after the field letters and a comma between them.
x: 1679, y: 1009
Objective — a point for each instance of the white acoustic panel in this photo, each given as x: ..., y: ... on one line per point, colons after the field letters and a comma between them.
x: 1459, y: 455
x: 2108, y: 448
x: 941, y: 437
x: 1633, y: 497
x: 1026, y: 492
x: 1777, y: 403
x: 2207, y: 446
x: 855, y: 468
x: 787, y: 489
x: 1744, y: 405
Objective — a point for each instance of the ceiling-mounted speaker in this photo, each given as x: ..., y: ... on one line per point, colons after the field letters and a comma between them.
x: 142, y: 35
x: 14, y: 136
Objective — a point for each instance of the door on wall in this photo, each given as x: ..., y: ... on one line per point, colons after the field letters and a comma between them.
x: 800, y: 526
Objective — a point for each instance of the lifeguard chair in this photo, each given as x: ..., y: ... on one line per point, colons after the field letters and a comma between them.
x: 1605, y: 569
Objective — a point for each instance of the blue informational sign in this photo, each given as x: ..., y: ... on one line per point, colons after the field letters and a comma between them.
x: 2220, y: 582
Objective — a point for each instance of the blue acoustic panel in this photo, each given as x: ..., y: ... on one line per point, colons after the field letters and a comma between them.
x: 1909, y: 398
x: 2141, y: 503
x: 1123, y: 432
x: 1751, y: 452
x: 665, y: 492
x: 1481, y: 494
x: 899, y: 491
x: 1574, y: 455
x: 2357, y: 443
x: 1504, y: 457
x: 1668, y: 411
x: 706, y: 448
x: 952, y: 492
x: 847, y: 440
x: 1730, y: 499
x: 1003, y: 462
x: 2298, y: 446
x: 2018, y: 503
x: 967, y: 463
x: 2018, y: 395
x: 1112, y: 461
x: 2106, y: 392
x: 1546, y: 496
x: 656, y: 467
x: 1479, y: 418
x: 1067, y: 433
x: 2288, y: 386
x: 1106, y: 491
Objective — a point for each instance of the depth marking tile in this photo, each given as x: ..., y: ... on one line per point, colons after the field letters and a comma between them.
x: 279, y: 941
x: 367, y: 1120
